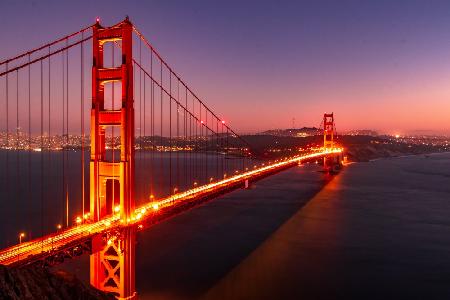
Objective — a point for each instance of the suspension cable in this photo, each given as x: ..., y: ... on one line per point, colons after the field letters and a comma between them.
x: 152, y: 49
x: 45, y: 46
x: 46, y: 56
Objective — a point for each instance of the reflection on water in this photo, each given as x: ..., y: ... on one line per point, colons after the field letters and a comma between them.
x: 377, y: 231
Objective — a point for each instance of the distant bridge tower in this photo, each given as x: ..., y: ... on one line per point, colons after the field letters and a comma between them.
x: 328, y: 140
x: 112, y: 261
x: 328, y: 131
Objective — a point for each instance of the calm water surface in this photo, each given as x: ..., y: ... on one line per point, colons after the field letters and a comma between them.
x: 378, y: 230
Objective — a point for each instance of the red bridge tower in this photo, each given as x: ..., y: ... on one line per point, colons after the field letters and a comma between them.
x: 330, y: 162
x: 113, y: 260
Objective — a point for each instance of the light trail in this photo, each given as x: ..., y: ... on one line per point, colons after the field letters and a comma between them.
x: 57, y: 241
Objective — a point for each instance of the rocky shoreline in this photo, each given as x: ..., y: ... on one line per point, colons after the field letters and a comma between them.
x: 35, y: 282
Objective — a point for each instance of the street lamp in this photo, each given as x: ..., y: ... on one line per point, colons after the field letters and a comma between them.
x: 21, y: 235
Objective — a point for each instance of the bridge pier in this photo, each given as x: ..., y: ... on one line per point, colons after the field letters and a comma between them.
x: 112, y: 263
x: 333, y: 163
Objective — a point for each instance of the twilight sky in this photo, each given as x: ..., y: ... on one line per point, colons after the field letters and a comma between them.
x: 382, y: 65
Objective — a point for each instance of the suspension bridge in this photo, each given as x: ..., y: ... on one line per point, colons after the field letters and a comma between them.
x: 154, y: 149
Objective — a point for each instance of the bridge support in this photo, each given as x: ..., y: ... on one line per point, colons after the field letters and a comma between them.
x: 112, y: 262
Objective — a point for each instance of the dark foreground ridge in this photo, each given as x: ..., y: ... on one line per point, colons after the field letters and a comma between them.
x: 40, y: 283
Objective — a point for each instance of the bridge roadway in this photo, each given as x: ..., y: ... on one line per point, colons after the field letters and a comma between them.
x: 45, y: 246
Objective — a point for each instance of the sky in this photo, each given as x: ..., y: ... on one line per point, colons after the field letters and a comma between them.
x: 381, y: 65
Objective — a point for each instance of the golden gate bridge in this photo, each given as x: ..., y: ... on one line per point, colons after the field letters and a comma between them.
x: 145, y: 123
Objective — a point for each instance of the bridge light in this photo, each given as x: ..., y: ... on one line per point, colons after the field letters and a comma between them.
x: 155, y: 206
x: 151, y: 196
x: 78, y: 220
x: 195, y: 183
x: 21, y: 235
x: 175, y: 190
x: 97, y: 20
x: 201, y: 122
x: 211, y: 179
x: 58, y: 226
x: 117, y: 208
x: 223, y: 121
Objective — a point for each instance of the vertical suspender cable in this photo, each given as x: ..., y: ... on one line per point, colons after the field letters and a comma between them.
x: 161, y: 137
x: 185, y: 142
x: 7, y: 109
x: 140, y: 97
x: 62, y: 135
x: 18, y: 186
x: 48, y: 129
x: 194, y: 125
x: 226, y: 146
x: 139, y: 157
x: 200, y: 142
x: 42, y: 158
x: 7, y: 138
x: 82, y: 126
x: 152, y: 125
x: 217, y: 149
x: 29, y: 129
x: 206, y: 145
x: 66, y: 157
x: 178, y: 134
x: 145, y: 139
x: 113, y: 144
x: 170, y: 133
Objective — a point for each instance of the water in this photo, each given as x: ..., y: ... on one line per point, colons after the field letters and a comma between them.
x: 26, y: 178
x: 378, y: 230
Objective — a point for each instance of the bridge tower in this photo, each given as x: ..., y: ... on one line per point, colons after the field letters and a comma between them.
x: 328, y: 131
x: 328, y: 140
x: 112, y: 261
